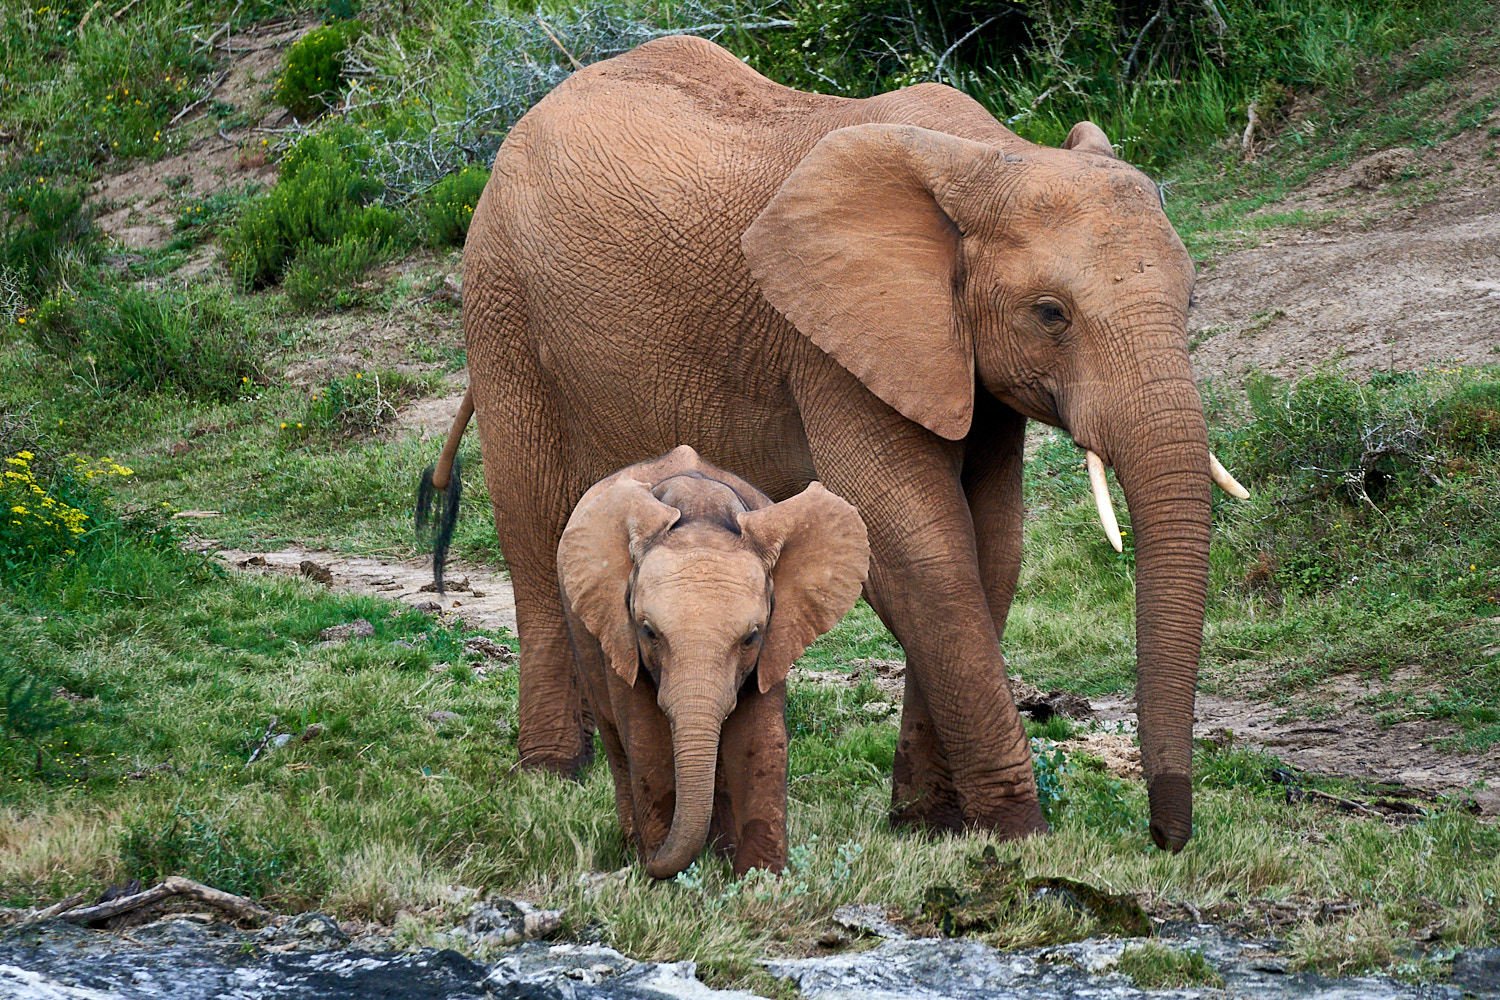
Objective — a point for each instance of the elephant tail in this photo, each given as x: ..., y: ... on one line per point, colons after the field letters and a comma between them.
x: 446, y: 478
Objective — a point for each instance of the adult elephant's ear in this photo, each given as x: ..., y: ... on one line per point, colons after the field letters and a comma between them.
x: 816, y: 546
x: 860, y: 251
x: 607, y: 535
x: 1086, y: 137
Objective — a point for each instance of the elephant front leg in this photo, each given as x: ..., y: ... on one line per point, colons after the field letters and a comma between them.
x: 963, y: 744
x: 753, y: 760
x: 992, y: 469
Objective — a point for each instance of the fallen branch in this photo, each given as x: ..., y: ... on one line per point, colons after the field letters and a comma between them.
x: 1247, y: 141
x: 60, y: 907
x: 270, y: 731
x: 174, y: 885
x: 207, y: 94
x: 944, y: 58
x: 560, y: 47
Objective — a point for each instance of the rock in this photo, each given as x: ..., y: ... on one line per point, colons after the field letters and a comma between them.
x: 357, y: 629
x: 428, y: 607
x: 868, y: 918
x: 500, y: 921
x: 460, y: 585
x: 1486, y: 801
x: 312, y: 732
x: 253, y: 561
x: 442, y: 716
x: 310, y: 931
x: 489, y: 648
x: 281, y: 740
x: 877, y: 708
x: 318, y: 573
x: 1478, y: 968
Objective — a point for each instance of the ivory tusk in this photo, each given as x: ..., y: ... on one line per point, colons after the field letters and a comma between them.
x: 1102, y: 501
x: 1226, y: 482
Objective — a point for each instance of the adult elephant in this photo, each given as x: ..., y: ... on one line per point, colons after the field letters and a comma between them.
x: 873, y: 293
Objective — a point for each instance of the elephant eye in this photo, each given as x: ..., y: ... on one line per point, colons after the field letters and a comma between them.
x: 1051, y: 313
x: 751, y: 639
x: 649, y: 633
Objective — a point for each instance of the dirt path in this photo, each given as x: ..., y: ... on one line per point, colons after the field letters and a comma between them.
x: 480, y: 597
x: 1403, y: 274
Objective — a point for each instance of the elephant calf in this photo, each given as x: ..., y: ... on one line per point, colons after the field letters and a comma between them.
x: 689, y: 595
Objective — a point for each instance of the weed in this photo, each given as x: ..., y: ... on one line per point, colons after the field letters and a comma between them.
x: 39, y: 222
x: 206, y: 849
x: 356, y: 404
x: 1153, y: 966
x: 116, y: 338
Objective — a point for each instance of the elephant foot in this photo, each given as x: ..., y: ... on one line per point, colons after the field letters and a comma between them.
x: 563, y: 765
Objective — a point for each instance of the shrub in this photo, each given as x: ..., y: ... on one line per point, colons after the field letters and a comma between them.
x: 356, y: 404
x: 314, y: 69
x: 39, y: 222
x: 326, y: 275
x: 211, y: 851
x: 448, y: 206
x: 121, y: 337
x: 326, y: 195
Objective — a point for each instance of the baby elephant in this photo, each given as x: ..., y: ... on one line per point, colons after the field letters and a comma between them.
x: 689, y: 595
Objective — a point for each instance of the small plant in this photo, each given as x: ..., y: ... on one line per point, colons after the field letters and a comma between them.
x: 355, y: 404
x: 43, y: 524
x: 200, y: 847
x: 326, y: 195
x: 1051, y: 765
x: 313, y: 75
x: 448, y: 206
x: 1153, y: 966
x: 327, y: 275
x: 39, y: 222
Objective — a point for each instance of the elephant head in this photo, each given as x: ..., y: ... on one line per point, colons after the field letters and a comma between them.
x: 927, y: 265
x: 684, y: 581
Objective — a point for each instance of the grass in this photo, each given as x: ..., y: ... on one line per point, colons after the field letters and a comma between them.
x: 1383, y: 566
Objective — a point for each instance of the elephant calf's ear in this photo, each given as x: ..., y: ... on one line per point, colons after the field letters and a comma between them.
x: 1086, y: 137
x: 819, y: 556
x: 605, y: 537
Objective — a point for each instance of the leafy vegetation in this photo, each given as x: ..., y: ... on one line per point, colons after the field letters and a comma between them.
x: 314, y: 69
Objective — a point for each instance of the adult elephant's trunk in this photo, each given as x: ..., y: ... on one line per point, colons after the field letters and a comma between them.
x: 696, y: 721
x: 1159, y: 449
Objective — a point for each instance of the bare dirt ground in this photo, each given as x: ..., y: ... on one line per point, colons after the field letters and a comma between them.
x: 478, y: 596
x: 1404, y: 273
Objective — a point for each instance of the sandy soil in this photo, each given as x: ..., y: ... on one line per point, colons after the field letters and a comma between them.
x: 1404, y: 275
x: 478, y: 596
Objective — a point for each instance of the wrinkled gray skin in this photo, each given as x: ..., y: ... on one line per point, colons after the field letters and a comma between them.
x: 876, y: 294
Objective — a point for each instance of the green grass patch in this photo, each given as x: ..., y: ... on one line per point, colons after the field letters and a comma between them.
x: 1154, y: 966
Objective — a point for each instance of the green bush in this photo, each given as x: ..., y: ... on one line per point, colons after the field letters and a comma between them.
x: 448, y: 206
x: 212, y: 851
x: 313, y: 75
x: 119, y: 337
x: 326, y: 195
x: 39, y: 222
x: 326, y: 275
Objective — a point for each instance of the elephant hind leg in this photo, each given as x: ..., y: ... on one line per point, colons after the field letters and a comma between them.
x: 922, y: 792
